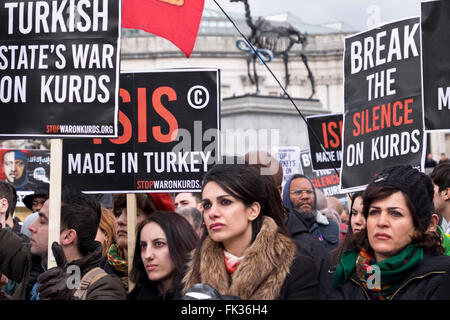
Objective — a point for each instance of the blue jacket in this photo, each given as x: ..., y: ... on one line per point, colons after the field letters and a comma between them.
x: 320, y: 227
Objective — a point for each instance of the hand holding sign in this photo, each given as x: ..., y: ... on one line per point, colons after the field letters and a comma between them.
x: 53, y: 282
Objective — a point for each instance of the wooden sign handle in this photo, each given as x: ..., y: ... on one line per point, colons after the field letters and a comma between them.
x: 131, y: 232
x: 54, y: 219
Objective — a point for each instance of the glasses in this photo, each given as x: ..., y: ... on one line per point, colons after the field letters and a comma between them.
x: 299, y: 192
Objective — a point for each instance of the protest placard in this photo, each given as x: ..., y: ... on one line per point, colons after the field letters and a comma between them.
x: 168, y: 136
x: 383, y: 123
x: 289, y: 159
x: 326, y: 131
x: 25, y: 169
x: 435, y: 21
x: 325, y: 180
x: 59, y: 64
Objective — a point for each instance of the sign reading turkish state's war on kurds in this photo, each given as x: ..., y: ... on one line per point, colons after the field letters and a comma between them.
x: 328, y: 130
x: 436, y: 64
x: 383, y: 123
x: 59, y: 68
x: 325, y: 180
x: 168, y: 136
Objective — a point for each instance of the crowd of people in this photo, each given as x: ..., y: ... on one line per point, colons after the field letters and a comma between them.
x: 244, y: 236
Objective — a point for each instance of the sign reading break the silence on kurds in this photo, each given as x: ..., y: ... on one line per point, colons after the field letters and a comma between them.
x: 435, y: 22
x: 383, y: 123
x: 59, y: 68
x: 168, y: 136
x: 325, y: 130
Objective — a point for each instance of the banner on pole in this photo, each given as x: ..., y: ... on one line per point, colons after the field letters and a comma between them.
x: 383, y: 124
x: 435, y: 22
x: 328, y: 129
x: 168, y: 138
x: 25, y: 169
x: 59, y: 68
x: 325, y: 180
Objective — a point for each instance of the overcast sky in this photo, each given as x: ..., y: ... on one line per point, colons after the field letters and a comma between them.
x: 357, y: 13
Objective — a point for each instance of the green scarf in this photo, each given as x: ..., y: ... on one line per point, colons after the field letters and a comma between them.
x: 116, y: 259
x: 392, y: 270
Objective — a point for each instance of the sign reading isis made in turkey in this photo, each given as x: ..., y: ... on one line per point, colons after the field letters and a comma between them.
x: 383, y: 123
x: 168, y: 136
x: 436, y: 64
x: 59, y: 68
x: 325, y: 130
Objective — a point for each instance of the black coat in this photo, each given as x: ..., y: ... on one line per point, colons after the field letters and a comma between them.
x: 301, y: 283
x: 429, y: 280
x: 149, y: 291
x: 308, y: 245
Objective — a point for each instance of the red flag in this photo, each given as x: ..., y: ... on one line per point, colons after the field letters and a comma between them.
x: 175, y: 20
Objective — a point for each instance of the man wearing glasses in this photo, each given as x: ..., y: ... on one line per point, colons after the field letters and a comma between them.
x: 299, y: 195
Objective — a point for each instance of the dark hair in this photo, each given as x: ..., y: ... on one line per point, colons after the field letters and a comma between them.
x: 71, y: 196
x: 83, y: 219
x: 347, y: 243
x: 143, y: 202
x: 181, y: 240
x: 441, y: 175
x: 8, y: 192
x: 245, y: 183
x: 263, y: 159
x: 429, y: 241
x: 194, y: 213
x: 81, y: 212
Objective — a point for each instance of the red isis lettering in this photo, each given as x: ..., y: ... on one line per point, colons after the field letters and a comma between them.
x: 334, y: 130
x: 142, y: 117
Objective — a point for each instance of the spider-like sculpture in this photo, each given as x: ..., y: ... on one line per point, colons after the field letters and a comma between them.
x: 279, y: 40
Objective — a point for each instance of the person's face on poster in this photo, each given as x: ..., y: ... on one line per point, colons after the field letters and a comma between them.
x: 13, y: 168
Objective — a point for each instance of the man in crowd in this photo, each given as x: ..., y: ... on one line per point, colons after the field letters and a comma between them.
x: 299, y: 195
x: 194, y: 216
x: 34, y: 202
x: 188, y: 199
x: 80, y: 217
x: 441, y: 181
x: 8, y: 199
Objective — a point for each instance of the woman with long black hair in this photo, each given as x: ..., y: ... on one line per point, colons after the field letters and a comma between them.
x: 246, y: 252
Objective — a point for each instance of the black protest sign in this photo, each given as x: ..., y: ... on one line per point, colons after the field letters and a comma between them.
x: 325, y: 180
x: 436, y: 64
x: 59, y: 63
x: 168, y: 136
x: 383, y: 123
x: 328, y: 130
x: 25, y: 169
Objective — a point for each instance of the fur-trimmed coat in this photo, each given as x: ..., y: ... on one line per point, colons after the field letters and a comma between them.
x: 271, y: 269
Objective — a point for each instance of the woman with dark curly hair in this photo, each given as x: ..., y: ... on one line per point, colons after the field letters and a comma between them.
x: 395, y: 257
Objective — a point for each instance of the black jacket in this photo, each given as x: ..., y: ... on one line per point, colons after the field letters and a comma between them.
x: 16, y: 264
x: 308, y: 245
x: 107, y: 288
x: 149, y: 291
x: 430, y: 280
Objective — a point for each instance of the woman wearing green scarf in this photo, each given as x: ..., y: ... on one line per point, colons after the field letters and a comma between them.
x: 395, y: 257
